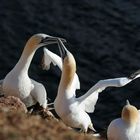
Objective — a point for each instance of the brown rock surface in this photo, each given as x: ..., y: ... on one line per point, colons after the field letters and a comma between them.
x: 15, y: 124
x: 21, y: 126
x: 12, y: 103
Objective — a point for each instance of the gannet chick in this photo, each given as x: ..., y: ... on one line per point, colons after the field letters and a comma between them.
x: 127, y: 127
x: 18, y: 83
x: 72, y: 110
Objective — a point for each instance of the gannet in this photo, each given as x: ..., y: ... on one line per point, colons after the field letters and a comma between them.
x: 127, y: 127
x: 50, y: 57
x: 72, y: 110
x: 18, y: 83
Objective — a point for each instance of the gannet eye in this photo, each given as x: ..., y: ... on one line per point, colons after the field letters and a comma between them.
x: 44, y: 40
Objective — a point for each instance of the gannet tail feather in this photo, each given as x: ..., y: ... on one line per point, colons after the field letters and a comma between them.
x: 92, y: 128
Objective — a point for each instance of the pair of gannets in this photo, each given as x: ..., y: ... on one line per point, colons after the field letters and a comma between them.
x: 127, y: 127
x: 72, y: 110
x: 17, y: 82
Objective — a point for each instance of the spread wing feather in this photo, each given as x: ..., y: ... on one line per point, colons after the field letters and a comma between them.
x: 56, y: 60
x: 88, y: 100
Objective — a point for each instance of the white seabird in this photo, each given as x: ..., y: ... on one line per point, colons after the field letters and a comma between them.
x: 127, y: 127
x: 72, y: 110
x: 50, y: 57
x: 18, y: 83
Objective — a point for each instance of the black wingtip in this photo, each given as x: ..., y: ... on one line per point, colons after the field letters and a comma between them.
x: 133, y: 75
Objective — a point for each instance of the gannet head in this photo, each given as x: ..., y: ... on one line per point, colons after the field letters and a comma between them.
x: 39, y: 40
x: 130, y: 114
x: 69, y: 64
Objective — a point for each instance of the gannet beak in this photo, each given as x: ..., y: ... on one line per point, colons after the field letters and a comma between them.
x: 63, y: 50
x: 127, y: 102
x: 51, y: 40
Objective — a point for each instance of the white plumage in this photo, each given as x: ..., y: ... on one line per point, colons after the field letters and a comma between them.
x: 127, y: 127
x: 72, y: 110
x: 18, y: 83
x: 50, y: 57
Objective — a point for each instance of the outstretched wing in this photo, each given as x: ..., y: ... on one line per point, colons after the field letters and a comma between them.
x: 88, y: 100
x: 50, y: 57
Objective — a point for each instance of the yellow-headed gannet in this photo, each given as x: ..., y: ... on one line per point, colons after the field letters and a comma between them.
x: 50, y: 57
x: 70, y: 109
x: 127, y: 127
x: 17, y: 82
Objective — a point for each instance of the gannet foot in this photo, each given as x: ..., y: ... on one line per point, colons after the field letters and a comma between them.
x: 83, y: 131
x: 45, y: 113
x: 30, y: 111
x: 33, y: 109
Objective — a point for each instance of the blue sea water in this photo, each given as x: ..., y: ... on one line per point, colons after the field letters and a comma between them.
x: 104, y: 37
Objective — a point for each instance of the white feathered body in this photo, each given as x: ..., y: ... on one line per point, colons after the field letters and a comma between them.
x: 19, y: 85
x: 70, y: 111
x: 120, y: 130
x: 17, y: 82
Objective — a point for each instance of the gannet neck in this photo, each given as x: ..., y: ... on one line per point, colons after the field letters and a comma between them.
x: 35, y: 42
x: 26, y: 57
x: 130, y: 114
x: 68, y: 72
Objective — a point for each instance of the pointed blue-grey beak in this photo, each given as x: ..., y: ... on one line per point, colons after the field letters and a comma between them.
x: 51, y: 40
x: 63, y: 50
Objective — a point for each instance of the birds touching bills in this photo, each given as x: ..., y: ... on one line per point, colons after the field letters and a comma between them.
x: 18, y: 83
x: 73, y: 111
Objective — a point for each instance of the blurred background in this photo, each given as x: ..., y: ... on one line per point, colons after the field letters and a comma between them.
x: 104, y: 37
